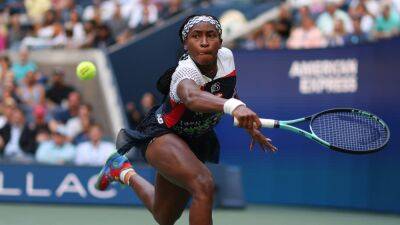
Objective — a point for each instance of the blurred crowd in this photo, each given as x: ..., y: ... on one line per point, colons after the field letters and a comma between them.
x: 304, y: 24
x: 43, y: 119
x: 38, y: 24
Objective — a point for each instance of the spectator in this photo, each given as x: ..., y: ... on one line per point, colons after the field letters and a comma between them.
x: 74, y: 126
x: 253, y: 41
x: 57, y: 150
x: 95, y: 151
x: 90, y: 10
x: 15, y: 31
x: 367, y: 21
x: 6, y: 75
x: 58, y: 91
x: 90, y: 34
x: 388, y: 23
x: 301, y: 13
x: 3, y: 36
x: 318, y: 6
x: 358, y: 36
x: 23, y: 66
x: 71, y: 109
x: 271, y: 39
x: 50, y: 34
x: 133, y: 114
x: 84, y: 135
x: 78, y: 33
x: 9, y: 91
x: 47, y: 28
x: 104, y: 37
x: 143, y: 16
x: 326, y: 21
x: 16, y: 138
x: 101, y: 11
x: 283, y: 24
x: 147, y: 102
x: 117, y: 24
x: 31, y: 92
x: 39, y: 122
x: 36, y: 8
x: 395, y: 5
x: 174, y: 7
x: 7, y: 106
x: 39, y: 125
x: 127, y: 7
x: 372, y: 6
x: 67, y: 8
x: 337, y: 38
x: 306, y: 36
x: 108, y: 8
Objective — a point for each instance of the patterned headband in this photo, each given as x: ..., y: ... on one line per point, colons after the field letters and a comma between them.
x: 199, y: 19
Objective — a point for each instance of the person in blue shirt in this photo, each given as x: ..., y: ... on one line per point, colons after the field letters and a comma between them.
x: 56, y: 151
x: 23, y: 66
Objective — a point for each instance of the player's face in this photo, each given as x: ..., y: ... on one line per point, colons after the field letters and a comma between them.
x: 203, y: 43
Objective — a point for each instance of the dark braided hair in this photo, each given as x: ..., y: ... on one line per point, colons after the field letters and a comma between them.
x: 163, y: 83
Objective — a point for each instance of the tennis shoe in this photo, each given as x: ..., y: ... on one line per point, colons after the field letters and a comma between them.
x: 115, y: 164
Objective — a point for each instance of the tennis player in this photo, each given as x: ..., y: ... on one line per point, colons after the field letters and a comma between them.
x: 178, y: 137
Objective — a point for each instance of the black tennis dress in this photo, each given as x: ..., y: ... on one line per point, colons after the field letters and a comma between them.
x: 172, y: 116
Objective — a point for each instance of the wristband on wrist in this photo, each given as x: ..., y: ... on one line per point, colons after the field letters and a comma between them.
x: 231, y: 105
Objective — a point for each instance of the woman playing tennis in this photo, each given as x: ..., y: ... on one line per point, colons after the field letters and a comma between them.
x: 178, y: 137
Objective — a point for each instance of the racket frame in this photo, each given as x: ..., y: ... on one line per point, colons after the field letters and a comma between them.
x: 287, y: 125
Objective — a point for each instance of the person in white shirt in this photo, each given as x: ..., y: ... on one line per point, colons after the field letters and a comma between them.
x: 326, y: 21
x: 145, y: 14
x: 95, y: 151
x: 57, y: 151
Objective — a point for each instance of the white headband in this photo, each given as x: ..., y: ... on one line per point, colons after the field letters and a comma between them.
x: 199, y: 19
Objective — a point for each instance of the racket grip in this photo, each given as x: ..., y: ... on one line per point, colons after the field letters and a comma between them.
x: 267, y: 123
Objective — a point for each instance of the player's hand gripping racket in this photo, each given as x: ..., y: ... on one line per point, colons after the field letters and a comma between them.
x: 342, y: 129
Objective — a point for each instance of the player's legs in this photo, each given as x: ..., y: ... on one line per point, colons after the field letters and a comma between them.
x: 169, y: 202
x: 182, y: 175
x: 165, y: 200
x: 173, y: 159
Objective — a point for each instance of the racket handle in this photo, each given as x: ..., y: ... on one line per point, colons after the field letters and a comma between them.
x: 267, y: 123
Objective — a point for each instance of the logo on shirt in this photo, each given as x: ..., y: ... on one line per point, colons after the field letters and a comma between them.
x: 215, y: 87
x: 159, y: 119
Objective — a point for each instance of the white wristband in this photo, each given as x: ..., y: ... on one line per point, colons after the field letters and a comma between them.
x: 231, y: 105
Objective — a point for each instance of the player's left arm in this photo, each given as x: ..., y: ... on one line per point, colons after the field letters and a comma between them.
x: 198, y: 100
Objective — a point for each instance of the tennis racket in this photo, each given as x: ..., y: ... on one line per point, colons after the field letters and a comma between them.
x: 340, y: 129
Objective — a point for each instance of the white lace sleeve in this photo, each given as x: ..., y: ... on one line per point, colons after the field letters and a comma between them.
x: 180, y: 74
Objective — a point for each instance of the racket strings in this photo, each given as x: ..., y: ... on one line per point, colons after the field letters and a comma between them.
x: 350, y: 130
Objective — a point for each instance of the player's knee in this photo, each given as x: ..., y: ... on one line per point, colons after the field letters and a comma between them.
x: 203, y: 187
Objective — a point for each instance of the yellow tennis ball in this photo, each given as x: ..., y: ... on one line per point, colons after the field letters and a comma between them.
x: 86, y: 70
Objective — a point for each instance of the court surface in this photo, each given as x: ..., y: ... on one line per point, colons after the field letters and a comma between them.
x: 35, y: 214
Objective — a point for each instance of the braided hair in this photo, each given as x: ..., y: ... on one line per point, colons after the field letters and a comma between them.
x: 163, y: 83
